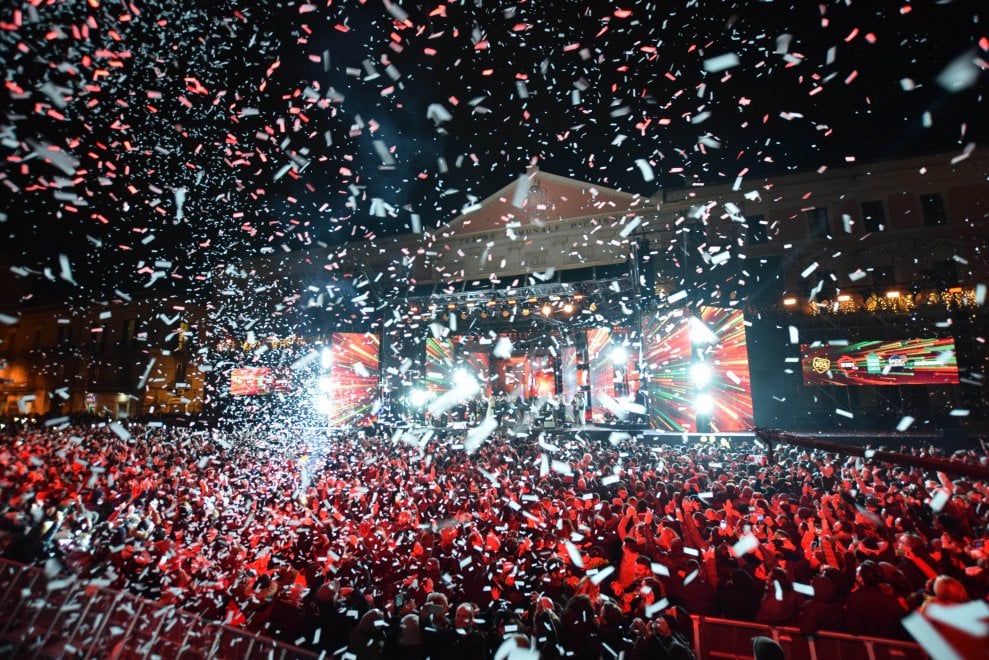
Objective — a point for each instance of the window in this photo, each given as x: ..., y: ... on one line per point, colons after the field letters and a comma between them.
x: 817, y: 223
x: 180, y: 368
x: 97, y: 338
x: 874, y: 216
x: 182, y: 340
x: 129, y: 333
x: 932, y: 206
x: 756, y: 229
x: 64, y: 334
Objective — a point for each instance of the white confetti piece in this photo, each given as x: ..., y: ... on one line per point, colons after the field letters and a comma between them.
x: 657, y: 607
x: 721, y: 62
x: 968, y: 617
x: 961, y: 73
x: 120, y: 431
x: 645, y: 169
x: 599, y: 576
x: 630, y: 227
x: 804, y: 589
x: 940, y: 498
x: 574, y: 553
x: 844, y: 413
x: 905, y: 422
x: 745, y: 545
x: 928, y: 637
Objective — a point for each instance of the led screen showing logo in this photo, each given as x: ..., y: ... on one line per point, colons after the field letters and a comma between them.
x: 898, y: 362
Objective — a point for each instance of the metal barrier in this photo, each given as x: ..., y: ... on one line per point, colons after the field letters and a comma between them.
x: 720, y: 639
x: 56, y: 617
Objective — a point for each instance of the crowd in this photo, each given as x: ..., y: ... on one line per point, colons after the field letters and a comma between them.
x: 415, y: 546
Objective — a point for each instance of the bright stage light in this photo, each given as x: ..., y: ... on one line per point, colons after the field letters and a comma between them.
x: 464, y: 382
x: 701, y: 374
x: 704, y: 404
x: 418, y: 398
x: 619, y: 355
x: 322, y: 404
x: 326, y: 358
x: 324, y: 384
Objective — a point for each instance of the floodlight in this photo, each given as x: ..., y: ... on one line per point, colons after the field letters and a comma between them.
x: 701, y: 373
x: 418, y: 398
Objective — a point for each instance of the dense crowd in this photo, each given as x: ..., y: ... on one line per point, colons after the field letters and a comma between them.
x: 418, y: 546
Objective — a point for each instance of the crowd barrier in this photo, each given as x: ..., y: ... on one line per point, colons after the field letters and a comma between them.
x: 723, y: 639
x: 45, y: 616
x: 59, y: 617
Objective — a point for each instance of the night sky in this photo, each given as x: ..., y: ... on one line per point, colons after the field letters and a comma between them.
x: 147, y: 145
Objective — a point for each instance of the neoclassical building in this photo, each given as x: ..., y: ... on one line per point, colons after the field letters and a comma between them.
x: 870, y: 250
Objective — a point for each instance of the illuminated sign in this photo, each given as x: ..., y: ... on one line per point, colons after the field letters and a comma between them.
x: 897, y: 362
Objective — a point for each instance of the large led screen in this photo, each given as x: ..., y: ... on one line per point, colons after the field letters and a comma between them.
x: 479, y: 366
x: 568, y: 373
x: 696, y: 367
x: 666, y: 370
x: 599, y: 349
x: 252, y: 381
x: 353, y: 378
x: 542, y: 378
x: 898, y: 362
x: 727, y: 354
x: 439, y: 362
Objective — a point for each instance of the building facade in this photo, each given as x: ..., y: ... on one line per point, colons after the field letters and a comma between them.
x: 122, y: 359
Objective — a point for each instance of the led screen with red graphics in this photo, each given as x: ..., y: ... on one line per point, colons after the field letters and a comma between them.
x: 897, y: 362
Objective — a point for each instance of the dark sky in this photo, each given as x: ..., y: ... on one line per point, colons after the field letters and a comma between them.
x: 146, y: 146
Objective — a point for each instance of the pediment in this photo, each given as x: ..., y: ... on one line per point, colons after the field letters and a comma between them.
x: 540, y: 198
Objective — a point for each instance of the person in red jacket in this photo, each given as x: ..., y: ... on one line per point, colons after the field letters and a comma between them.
x: 871, y: 608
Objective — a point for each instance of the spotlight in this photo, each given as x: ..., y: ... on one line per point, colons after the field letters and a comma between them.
x: 568, y: 308
x: 704, y: 404
x: 326, y: 358
x: 700, y: 373
x: 547, y: 310
x: 418, y: 398
x: 619, y: 355
x: 322, y: 405
x: 465, y: 383
x: 324, y: 384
